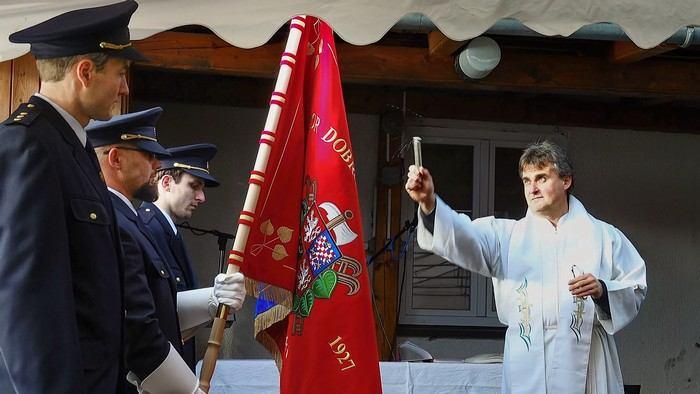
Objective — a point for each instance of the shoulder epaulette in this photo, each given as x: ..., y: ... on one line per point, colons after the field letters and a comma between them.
x: 146, y: 214
x: 25, y: 114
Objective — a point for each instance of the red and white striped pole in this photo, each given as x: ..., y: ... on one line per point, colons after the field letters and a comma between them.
x: 257, y: 179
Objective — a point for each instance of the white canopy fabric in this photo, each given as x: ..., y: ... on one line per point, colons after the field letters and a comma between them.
x: 250, y: 23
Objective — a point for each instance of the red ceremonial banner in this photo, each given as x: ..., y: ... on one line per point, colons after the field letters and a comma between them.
x: 306, y: 241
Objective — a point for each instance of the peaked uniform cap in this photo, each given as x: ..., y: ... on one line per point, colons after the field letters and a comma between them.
x: 192, y: 159
x: 137, y: 129
x: 98, y: 29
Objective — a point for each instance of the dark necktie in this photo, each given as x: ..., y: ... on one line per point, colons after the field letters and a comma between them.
x: 180, y: 246
x: 93, y: 157
x: 183, y: 261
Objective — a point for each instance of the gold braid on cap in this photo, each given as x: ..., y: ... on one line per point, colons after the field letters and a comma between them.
x: 189, y: 167
x: 126, y: 137
x: 109, y: 45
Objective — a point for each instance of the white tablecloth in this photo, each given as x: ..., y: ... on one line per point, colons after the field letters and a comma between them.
x: 261, y: 376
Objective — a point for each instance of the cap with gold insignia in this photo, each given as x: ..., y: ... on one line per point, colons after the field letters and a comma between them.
x: 98, y: 29
x: 193, y: 159
x: 137, y: 129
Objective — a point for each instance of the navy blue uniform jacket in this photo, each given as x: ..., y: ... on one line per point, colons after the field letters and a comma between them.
x: 177, y: 259
x: 61, y: 309
x: 180, y: 264
x: 151, y: 296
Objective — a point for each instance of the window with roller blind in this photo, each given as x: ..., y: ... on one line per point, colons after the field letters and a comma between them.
x: 475, y: 172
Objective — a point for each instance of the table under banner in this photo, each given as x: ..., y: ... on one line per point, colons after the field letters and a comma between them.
x: 262, y: 377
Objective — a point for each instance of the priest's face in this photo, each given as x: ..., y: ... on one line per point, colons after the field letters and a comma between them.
x: 545, y: 190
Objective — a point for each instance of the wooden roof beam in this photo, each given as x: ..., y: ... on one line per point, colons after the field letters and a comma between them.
x: 440, y: 45
x: 623, y: 52
x: 519, y: 70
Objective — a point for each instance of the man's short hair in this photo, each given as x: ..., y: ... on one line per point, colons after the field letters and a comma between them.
x: 546, y: 152
x: 54, y: 69
x: 175, y: 173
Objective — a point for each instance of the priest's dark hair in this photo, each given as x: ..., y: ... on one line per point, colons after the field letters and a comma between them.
x: 541, y: 153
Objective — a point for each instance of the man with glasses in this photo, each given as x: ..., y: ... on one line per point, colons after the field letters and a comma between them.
x: 564, y: 281
x: 156, y: 314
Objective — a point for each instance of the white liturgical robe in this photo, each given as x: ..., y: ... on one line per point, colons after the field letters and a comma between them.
x: 555, y: 343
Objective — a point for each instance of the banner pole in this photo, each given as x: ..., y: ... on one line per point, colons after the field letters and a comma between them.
x: 256, y: 180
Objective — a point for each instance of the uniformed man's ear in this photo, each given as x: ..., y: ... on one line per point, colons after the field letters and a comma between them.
x: 114, y: 158
x: 84, y: 70
x: 165, y: 182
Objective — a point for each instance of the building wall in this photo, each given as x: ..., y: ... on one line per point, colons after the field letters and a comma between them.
x: 644, y: 183
x: 647, y: 185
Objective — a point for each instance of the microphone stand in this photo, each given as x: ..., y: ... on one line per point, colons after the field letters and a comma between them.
x: 408, y: 225
x: 222, y: 239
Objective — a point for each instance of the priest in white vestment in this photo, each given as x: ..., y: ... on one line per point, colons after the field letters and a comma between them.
x: 564, y: 281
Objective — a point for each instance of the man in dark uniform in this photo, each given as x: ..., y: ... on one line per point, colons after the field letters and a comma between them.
x: 60, y: 261
x: 181, y: 179
x: 128, y: 152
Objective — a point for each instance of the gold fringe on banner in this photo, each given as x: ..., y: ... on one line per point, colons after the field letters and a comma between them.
x: 280, y: 296
x: 263, y: 321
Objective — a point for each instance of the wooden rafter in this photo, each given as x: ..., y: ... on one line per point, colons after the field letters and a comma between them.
x: 440, y: 45
x: 626, y: 52
x: 642, y: 114
x: 519, y: 70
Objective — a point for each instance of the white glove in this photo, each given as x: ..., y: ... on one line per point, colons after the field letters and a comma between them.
x: 197, y: 307
x: 229, y: 289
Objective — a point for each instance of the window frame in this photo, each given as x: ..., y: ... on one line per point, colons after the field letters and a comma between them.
x: 486, y: 138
